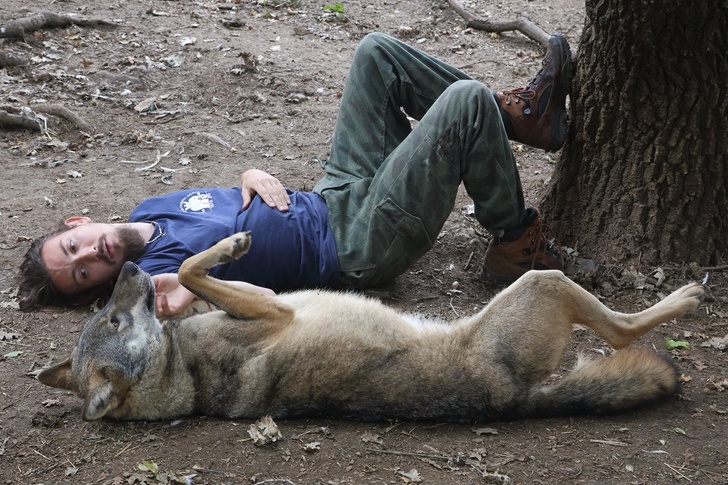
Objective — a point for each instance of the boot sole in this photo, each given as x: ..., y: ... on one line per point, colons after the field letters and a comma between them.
x: 560, y: 122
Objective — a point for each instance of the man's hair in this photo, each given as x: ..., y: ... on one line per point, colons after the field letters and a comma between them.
x: 36, y: 288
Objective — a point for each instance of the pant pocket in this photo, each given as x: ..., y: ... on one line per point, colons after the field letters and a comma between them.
x: 402, y: 241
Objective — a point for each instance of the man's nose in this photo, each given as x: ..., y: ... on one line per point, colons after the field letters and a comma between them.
x: 88, y: 253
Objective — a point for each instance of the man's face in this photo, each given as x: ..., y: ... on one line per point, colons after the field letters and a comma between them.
x: 89, y: 255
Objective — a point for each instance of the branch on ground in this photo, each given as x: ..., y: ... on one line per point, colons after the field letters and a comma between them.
x: 522, y: 25
x: 46, y: 20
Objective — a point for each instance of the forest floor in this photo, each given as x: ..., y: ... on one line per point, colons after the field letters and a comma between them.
x: 190, y: 93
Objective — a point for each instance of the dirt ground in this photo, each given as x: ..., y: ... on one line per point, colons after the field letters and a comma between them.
x: 189, y: 94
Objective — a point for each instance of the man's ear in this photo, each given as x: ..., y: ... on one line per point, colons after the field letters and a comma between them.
x: 74, y: 221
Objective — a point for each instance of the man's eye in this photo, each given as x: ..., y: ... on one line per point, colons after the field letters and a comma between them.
x: 82, y: 272
x: 72, y: 246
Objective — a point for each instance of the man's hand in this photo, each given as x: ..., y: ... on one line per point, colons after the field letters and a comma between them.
x: 172, y: 298
x: 269, y: 188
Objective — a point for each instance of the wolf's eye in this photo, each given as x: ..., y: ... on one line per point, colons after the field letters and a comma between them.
x: 114, y: 321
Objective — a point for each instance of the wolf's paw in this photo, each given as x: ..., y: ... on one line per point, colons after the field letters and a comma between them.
x: 688, y: 297
x: 240, y: 244
x: 232, y: 247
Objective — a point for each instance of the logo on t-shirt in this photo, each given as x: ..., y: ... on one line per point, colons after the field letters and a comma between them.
x: 197, y: 202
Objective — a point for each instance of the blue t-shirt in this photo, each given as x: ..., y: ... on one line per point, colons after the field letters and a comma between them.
x: 290, y: 250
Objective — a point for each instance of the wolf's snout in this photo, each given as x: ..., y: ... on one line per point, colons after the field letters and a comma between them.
x: 129, y: 269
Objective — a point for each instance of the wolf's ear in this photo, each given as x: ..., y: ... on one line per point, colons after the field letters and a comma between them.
x: 100, y: 400
x: 59, y: 376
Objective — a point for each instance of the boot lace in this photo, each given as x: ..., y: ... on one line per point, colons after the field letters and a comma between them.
x: 528, y: 92
x: 543, y: 241
x: 516, y: 95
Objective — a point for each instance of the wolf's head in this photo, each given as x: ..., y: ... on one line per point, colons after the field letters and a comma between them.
x: 114, y: 347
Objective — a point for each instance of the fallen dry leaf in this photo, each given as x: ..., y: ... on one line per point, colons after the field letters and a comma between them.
x: 264, y: 431
x: 412, y: 476
x: 312, y: 446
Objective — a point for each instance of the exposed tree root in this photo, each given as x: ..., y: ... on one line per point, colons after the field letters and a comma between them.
x: 46, y: 20
x: 63, y: 112
x: 9, y: 120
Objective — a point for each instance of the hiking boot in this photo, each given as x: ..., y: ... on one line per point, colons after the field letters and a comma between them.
x: 536, y: 115
x: 520, y: 250
x: 533, y: 247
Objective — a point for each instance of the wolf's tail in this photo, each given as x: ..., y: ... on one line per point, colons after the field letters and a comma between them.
x: 630, y: 378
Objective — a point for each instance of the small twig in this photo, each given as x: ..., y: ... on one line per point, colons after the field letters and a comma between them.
x: 610, y: 442
x: 215, y: 138
x: 701, y: 471
x: 41, y: 454
x: 407, y: 453
x: 156, y: 162
x: 210, y: 470
x: 276, y: 480
x: 310, y: 431
x: 505, y: 479
x: 714, y: 268
x: 470, y: 259
x: 410, y: 434
x: 677, y: 471
x: 392, y: 426
x: 123, y: 450
x: 453, y: 309
x: 435, y: 426
x: 53, y: 466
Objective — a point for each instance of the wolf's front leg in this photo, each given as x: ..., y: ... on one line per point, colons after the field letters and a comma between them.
x: 224, y: 251
x: 234, y: 300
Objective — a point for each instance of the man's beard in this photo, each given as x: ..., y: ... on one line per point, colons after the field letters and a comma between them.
x: 132, y: 242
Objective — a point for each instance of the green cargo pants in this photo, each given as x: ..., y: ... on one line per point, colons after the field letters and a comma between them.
x: 389, y: 186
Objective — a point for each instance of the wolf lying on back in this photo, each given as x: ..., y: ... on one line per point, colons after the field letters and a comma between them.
x: 317, y: 352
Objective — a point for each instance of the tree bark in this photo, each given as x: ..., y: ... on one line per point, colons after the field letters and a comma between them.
x: 644, y: 173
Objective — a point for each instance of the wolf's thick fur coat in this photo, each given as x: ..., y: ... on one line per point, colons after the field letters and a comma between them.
x: 319, y: 352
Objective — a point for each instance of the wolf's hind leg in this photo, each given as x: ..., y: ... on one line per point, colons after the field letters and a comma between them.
x: 527, y: 326
x: 623, y: 328
x: 568, y: 303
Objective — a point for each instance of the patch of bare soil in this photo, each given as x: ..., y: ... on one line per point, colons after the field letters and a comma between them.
x: 190, y: 93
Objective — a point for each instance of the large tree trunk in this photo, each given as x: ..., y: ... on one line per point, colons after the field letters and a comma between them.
x: 644, y: 174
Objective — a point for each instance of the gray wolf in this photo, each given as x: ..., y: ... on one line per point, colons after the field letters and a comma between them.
x: 318, y: 352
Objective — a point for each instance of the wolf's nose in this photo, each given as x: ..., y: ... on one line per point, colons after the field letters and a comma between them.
x: 130, y: 268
